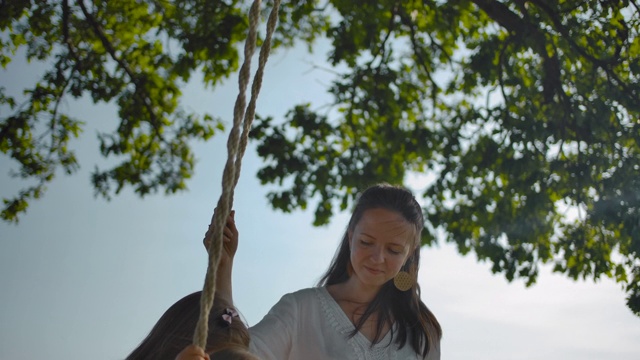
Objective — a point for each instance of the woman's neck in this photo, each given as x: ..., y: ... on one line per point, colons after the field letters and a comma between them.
x: 353, y: 291
x: 354, y: 299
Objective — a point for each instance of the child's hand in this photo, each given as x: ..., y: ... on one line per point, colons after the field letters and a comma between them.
x: 192, y: 352
x: 230, y: 239
x: 225, y: 265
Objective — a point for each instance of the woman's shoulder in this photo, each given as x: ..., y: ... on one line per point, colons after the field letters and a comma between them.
x: 298, y: 303
x: 305, y: 295
x: 307, y: 299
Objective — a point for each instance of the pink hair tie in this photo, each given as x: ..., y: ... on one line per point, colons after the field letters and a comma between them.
x: 228, y: 315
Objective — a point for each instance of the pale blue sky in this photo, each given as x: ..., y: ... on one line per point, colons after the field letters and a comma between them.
x: 86, y: 278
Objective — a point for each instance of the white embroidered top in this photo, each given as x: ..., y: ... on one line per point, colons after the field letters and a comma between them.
x: 310, y: 325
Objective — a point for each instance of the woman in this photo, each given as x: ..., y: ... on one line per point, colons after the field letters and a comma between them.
x: 367, y: 305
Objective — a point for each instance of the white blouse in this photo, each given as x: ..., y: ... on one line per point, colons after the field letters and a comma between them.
x: 310, y: 325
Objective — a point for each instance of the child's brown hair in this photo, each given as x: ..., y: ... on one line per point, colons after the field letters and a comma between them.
x: 228, y: 336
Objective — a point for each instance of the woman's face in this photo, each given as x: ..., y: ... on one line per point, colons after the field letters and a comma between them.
x: 380, y: 243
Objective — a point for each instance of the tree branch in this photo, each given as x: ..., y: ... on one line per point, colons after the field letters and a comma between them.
x: 557, y: 22
x: 605, y: 65
x: 502, y: 15
x: 420, y: 59
x: 112, y: 52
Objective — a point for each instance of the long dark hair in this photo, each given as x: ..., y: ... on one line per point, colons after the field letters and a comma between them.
x: 416, y: 323
x: 174, y: 331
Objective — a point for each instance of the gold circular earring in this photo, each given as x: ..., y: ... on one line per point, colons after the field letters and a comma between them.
x: 403, y: 281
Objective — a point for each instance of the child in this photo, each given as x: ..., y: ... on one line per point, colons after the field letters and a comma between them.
x: 172, y: 335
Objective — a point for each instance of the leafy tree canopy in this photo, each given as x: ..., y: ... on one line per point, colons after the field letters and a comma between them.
x: 136, y: 54
x: 525, y: 113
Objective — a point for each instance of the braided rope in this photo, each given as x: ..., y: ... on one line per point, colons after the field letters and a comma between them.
x: 255, y: 88
x: 236, y: 146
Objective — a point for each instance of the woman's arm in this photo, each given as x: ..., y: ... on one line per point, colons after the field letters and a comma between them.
x: 273, y: 336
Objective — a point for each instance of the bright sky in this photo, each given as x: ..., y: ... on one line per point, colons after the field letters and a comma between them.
x: 86, y: 278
